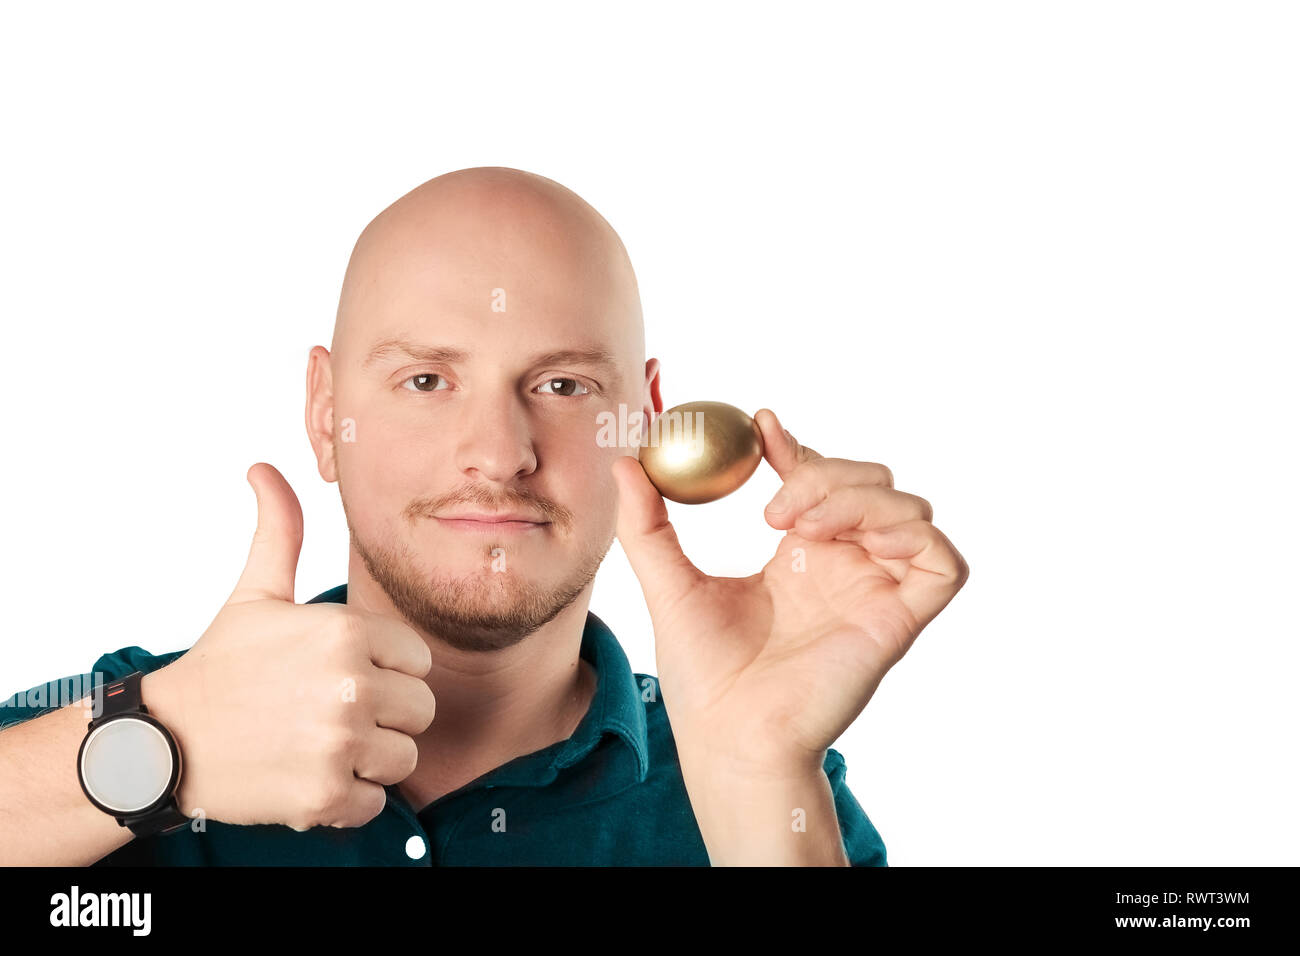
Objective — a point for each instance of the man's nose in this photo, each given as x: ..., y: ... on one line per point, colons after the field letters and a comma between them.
x: 496, y: 442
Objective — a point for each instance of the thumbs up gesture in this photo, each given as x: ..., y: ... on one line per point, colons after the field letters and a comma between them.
x: 287, y: 713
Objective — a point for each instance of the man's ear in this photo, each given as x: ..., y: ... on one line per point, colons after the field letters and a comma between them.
x: 320, y: 412
x: 651, y: 405
x: 652, y: 387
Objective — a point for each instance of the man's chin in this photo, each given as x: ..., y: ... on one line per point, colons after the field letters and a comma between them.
x: 471, y: 603
x: 475, y: 610
x: 479, y: 611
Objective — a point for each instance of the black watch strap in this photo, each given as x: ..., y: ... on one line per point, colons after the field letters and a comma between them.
x: 165, y: 819
x: 123, y: 697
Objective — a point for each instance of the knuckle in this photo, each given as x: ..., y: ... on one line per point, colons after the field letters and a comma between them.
x: 338, y: 630
x: 337, y: 745
x: 803, y: 477
x: 818, y: 469
x: 347, y: 637
x: 424, y: 653
x: 413, y: 756
x: 354, y: 628
x: 323, y: 801
x: 432, y: 706
x: 365, y: 690
x: 373, y: 805
x: 362, y: 807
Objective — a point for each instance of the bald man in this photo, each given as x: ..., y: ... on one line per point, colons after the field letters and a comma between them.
x: 456, y: 702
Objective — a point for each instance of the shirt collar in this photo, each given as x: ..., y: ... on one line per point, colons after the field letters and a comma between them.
x: 616, y: 709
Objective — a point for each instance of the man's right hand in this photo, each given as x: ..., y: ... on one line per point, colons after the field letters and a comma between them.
x: 287, y: 713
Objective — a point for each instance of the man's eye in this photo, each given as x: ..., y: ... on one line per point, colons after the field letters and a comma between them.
x: 422, y: 382
x: 573, y: 383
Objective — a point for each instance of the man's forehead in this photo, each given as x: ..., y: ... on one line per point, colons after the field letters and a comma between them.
x: 488, y: 262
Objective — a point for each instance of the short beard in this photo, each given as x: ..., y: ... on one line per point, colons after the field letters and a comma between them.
x: 467, y: 613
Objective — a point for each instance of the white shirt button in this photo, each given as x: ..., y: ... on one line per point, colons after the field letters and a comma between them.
x: 415, y: 848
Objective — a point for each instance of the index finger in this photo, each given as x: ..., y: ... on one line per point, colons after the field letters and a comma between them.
x: 395, y: 645
x: 781, y: 449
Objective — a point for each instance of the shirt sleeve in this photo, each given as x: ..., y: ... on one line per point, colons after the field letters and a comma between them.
x: 862, y: 843
x: 43, y: 698
x: 25, y: 704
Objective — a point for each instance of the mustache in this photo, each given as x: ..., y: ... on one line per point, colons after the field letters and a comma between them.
x: 489, y: 501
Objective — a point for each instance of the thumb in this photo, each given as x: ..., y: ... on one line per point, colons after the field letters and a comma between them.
x: 648, y: 538
x: 273, y: 558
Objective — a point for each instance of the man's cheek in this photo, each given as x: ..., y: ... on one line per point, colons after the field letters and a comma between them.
x: 382, y: 476
x: 590, y: 496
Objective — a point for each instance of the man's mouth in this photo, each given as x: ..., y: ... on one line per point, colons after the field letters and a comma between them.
x: 490, y: 523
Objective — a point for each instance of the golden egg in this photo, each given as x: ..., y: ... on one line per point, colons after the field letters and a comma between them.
x: 700, y: 451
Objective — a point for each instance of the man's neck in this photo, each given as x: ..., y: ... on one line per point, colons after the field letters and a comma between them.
x: 493, y: 706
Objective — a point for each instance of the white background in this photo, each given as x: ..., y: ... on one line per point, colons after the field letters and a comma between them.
x: 1038, y: 258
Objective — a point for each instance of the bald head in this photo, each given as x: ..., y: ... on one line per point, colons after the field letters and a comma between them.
x: 461, y: 236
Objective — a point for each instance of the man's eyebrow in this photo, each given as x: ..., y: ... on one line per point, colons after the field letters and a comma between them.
x: 420, y: 353
x: 594, y: 356
x: 589, y: 355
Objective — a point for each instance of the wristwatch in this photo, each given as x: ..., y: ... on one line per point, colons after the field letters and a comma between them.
x: 129, y: 765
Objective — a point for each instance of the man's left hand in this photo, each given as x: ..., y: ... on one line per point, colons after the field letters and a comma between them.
x: 762, y: 674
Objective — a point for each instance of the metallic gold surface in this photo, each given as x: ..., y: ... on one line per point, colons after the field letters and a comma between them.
x: 701, y: 451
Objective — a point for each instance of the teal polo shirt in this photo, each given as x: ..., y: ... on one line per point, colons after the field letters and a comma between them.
x: 610, y: 795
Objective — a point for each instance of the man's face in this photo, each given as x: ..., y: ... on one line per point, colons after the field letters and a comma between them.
x: 451, y: 397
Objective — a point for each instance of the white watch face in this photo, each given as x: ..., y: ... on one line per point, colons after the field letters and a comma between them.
x: 126, y: 764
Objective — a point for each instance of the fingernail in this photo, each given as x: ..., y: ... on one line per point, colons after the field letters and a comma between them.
x: 780, y: 503
x: 815, y: 512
